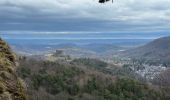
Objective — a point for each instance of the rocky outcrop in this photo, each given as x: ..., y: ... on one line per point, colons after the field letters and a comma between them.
x: 11, y: 86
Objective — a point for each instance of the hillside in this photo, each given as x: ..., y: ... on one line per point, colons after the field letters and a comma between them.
x: 11, y: 87
x: 158, y: 50
x: 81, y: 80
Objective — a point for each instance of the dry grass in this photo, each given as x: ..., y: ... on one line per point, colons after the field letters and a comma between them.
x: 11, y: 87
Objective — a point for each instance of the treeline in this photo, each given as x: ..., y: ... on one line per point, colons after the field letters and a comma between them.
x: 92, y: 63
x: 70, y: 81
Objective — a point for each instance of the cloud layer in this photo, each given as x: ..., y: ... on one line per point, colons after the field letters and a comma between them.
x: 85, y: 15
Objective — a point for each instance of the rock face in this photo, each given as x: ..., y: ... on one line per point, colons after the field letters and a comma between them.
x: 11, y: 87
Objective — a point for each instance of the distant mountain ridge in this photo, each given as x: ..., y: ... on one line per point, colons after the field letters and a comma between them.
x: 88, y: 50
x: 159, y: 49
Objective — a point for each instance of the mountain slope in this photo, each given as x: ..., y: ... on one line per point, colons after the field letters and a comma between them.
x: 11, y: 87
x: 78, y: 80
x: 158, y: 49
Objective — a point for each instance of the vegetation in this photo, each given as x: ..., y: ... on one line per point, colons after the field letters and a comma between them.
x: 163, y: 79
x: 80, y: 79
x: 11, y: 87
x: 93, y: 63
x: 75, y: 81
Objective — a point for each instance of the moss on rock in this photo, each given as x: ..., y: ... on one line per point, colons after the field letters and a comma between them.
x: 11, y: 87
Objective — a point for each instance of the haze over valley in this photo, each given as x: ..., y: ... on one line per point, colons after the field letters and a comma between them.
x: 121, y: 49
x: 30, y: 42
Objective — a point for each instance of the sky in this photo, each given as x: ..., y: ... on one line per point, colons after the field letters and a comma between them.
x: 85, y: 15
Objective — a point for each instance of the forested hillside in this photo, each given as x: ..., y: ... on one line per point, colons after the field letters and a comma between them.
x: 79, y: 79
x: 82, y: 80
x: 157, y: 51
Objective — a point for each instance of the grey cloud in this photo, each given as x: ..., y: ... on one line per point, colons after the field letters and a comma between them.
x: 123, y: 15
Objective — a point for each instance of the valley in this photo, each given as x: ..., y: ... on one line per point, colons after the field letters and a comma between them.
x: 121, y: 56
x: 87, y: 72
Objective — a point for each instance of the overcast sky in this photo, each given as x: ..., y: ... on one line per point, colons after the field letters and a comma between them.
x: 85, y: 15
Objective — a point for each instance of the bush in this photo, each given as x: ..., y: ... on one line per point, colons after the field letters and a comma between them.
x: 90, y: 62
x: 73, y: 89
x: 24, y: 72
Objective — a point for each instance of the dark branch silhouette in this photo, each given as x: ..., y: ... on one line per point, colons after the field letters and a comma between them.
x: 103, y: 1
